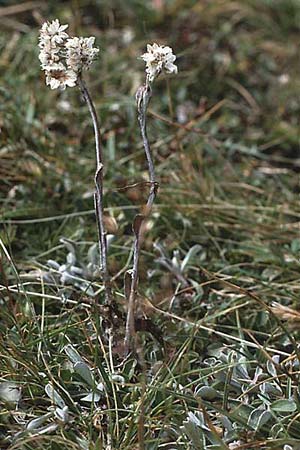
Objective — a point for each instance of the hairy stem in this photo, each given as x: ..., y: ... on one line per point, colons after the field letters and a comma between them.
x: 143, y: 97
x: 98, y: 196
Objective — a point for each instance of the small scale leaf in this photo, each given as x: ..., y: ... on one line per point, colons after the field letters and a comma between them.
x: 137, y: 223
x: 127, y: 283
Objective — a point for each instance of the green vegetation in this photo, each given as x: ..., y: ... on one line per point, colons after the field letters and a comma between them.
x: 217, y: 363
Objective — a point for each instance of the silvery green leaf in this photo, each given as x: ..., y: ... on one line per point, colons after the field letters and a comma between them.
x: 42, y: 374
x: 210, y: 361
x: 240, y: 371
x: 85, y: 372
x: 284, y: 406
x: 110, y: 238
x: 207, y: 393
x: 68, y: 244
x: 90, y: 291
x: 118, y: 378
x: 198, y: 288
x: 63, y: 268
x: 214, y: 447
x: 258, y: 372
x: 72, y: 354
x: 242, y: 413
x: 93, y: 254
x: 76, y: 270
x: 83, y: 443
x: 10, y: 392
x: 277, y: 430
x: 71, y: 258
x: 295, y: 364
x: 195, y: 420
x: 50, y: 277
x: 189, y: 256
x: 198, y: 420
x: 271, y: 368
x: 100, y: 387
x: 47, y: 429
x: 269, y: 388
x: 195, y: 434
x: 67, y: 278
x: 258, y: 418
x: 36, y: 423
x: 54, y: 396
x: 226, y: 423
x: 176, y: 259
x: 62, y: 414
x: 86, y: 287
x: 53, y: 264
x: 91, y: 397
x: 19, y: 417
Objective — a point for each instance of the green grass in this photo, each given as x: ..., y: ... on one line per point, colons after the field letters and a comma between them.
x: 225, y: 222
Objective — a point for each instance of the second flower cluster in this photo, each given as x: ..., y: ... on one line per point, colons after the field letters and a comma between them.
x: 63, y: 58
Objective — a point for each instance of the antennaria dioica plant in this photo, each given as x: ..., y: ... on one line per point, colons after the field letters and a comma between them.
x: 64, y: 59
x: 157, y: 58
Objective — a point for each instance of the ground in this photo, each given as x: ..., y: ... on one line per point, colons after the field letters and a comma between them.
x: 216, y: 364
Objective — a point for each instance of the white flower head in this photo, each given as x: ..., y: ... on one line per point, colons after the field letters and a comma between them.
x: 63, y: 58
x: 57, y: 76
x: 159, y: 58
x: 80, y: 53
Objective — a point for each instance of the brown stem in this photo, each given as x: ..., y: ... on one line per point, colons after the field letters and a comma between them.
x: 98, y: 196
x: 142, y: 97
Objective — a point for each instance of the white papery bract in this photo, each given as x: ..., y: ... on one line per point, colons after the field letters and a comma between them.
x: 55, y: 31
x: 159, y: 58
x: 49, y: 52
x: 63, y: 58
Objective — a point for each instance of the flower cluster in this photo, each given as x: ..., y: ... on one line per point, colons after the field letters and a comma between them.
x: 157, y: 59
x: 80, y: 53
x: 63, y: 58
